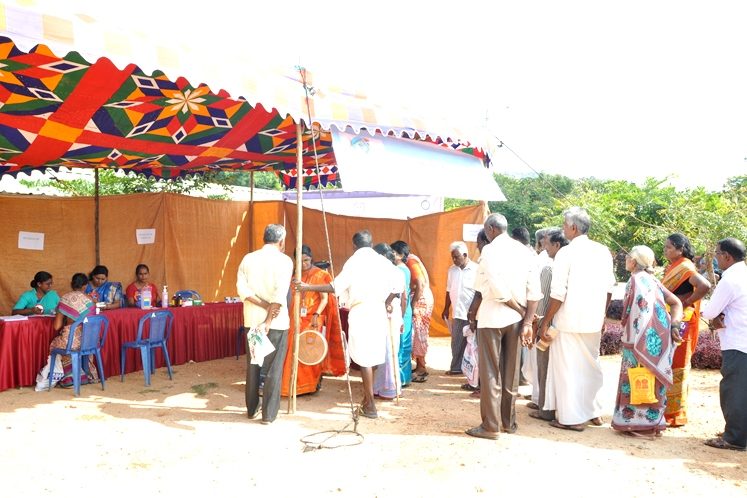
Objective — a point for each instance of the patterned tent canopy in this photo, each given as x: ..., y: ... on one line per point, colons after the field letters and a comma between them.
x: 66, y: 111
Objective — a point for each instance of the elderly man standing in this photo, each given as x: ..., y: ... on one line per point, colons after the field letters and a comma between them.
x: 262, y: 282
x: 509, y: 285
x: 727, y: 310
x: 460, y: 289
x: 368, y: 280
x: 581, y: 288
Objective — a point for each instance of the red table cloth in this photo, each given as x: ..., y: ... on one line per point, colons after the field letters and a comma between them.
x: 200, y: 333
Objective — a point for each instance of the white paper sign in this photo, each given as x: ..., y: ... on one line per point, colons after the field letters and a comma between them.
x: 469, y: 232
x: 145, y: 235
x: 31, y: 240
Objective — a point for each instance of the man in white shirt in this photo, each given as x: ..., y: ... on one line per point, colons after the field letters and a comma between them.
x: 727, y: 310
x: 581, y: 288
x: 509, y: 285
x: 460, y: 289
x: 366, y: 281
x: 262, y: 283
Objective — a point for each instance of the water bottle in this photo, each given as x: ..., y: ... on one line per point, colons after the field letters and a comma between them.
x: 165, y: 297
x: 145, y: 297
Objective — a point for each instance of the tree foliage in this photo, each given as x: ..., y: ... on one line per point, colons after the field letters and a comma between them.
x: 625, y: 214
x: 112, y: 182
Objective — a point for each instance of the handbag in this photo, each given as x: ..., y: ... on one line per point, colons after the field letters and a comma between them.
x: 642, y: 386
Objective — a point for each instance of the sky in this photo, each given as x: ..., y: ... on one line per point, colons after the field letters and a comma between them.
x: 582, y: 88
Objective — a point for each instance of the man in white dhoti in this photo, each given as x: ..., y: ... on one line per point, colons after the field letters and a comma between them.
x: 367, y: 281
x: 581, y: 288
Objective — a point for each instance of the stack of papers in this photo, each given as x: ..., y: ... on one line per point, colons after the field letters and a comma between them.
x: 13, y: 318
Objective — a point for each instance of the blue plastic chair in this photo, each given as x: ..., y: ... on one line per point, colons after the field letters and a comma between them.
x: 159, y: 331
x: 92, y: 338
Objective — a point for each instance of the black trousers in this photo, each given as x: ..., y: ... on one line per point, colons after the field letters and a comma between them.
x: 458, y: 344
x: 733, y: 394
x: 273, y: 366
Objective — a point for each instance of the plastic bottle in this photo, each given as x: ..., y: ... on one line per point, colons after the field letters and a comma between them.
x: 145, y: 297
x: 165, y: 297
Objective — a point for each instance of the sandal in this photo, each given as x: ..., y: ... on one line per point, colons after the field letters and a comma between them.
x: 419, y: 378
x: 558, y: 425
x: 469, y: 387
x: 722, y: 444
x: 367, y: 413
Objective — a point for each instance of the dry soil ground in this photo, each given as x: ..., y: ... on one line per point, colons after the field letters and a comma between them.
x: 191, y: 437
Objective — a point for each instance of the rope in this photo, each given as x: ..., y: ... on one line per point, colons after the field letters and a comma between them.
x: 309, y: 443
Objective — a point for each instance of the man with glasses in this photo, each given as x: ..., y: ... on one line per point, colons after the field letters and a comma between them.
x: 727, y: 311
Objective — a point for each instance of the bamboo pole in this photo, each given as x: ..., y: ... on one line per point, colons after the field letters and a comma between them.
x: 296, y: 293
x: 97, y: 240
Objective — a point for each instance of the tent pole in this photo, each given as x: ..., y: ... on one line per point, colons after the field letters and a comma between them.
x: 251, y: 211
x: 96, y: 216
x: 299, y: 243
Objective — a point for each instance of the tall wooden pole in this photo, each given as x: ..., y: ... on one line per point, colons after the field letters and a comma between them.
x: 251, y: 211
x: 299, y: 243
x: 96, y: 216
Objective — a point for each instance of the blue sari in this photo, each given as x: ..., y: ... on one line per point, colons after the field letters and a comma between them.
x: 109, y: 292
x: 405, y: 340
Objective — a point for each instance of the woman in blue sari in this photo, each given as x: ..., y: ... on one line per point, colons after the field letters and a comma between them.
x: 405, y: 339
x: 101, y: 290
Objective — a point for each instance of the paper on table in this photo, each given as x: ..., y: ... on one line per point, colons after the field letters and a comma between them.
x: 13, y: 318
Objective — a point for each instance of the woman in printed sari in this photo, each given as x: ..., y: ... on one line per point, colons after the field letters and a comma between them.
x: 318, y: 312
x: 648, y: 339
x: 73, y: 305
x: 387, y: 378
x: 682, y: 278
x: 422, y: 307
x: 101, y: 290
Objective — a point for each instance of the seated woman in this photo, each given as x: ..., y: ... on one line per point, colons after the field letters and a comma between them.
x: 134, y: 290
x: 73, y: 305
x: 649, y: 337
x: 40, y: 300
x: 318, y: 312
x: 101, y: 290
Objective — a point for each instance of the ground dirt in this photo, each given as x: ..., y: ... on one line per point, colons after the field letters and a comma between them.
x: 191, y: 437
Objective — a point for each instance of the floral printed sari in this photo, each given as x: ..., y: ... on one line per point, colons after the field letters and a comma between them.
x: 646, y: 342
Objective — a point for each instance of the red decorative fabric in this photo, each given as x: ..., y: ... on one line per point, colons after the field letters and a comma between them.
x: 24, y: 347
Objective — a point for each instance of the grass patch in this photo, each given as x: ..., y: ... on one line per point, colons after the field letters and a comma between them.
x: 202, y: 389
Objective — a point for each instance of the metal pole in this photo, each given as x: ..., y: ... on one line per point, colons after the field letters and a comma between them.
x: 96, y: 216
x: 299, y: 242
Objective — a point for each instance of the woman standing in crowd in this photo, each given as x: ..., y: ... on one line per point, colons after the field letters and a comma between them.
x: 422, y: 307
x: 102, y: 290
x: 318, y: 312
x: 682, y: 278
x: 405, y: 339
x: 40, y: 300
x: 648, y: 336
x: 387, y: 379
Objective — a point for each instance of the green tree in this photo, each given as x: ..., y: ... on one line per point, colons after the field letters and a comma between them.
x: 112, y: 183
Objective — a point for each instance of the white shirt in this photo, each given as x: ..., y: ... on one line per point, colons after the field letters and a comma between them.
x: 582, y: 276
x: 506, y: 270
x: 460, y: 284
x: 367, y: 277
x: 730, y: 298
x: 265, y: 273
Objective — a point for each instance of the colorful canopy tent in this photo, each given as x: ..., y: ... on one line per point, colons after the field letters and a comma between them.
x: 62, y: 110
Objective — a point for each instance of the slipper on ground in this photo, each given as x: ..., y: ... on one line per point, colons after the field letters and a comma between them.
x: 558, y: 425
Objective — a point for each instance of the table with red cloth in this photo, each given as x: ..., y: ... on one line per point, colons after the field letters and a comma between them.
x: 200, y: 333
